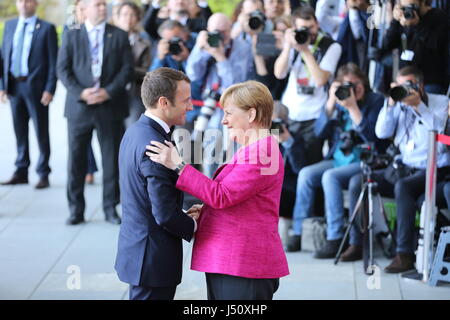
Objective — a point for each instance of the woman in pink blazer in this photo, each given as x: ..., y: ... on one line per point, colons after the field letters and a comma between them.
x: 237, y: 243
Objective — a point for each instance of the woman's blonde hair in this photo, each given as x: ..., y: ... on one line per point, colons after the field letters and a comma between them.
x: 251, y: 94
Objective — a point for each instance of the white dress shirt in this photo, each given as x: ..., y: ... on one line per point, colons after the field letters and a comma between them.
x: 96, y: 69
x: 28, y: 37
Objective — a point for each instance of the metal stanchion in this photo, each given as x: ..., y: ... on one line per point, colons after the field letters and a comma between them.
x: 425, y: 248
x: 430, y: 205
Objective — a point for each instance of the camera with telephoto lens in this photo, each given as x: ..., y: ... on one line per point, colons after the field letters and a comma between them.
x: 408, y: 11
x: 210, y: 99
x: 344, y: 91
x: 401, y: 92
x: 214, y: 38
x: 302, y: 35
x: 349, y: 139
x: 256, y: 20
x: 174, y: 46
x: 277, y: 124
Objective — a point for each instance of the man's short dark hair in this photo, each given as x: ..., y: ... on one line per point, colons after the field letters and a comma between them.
x: 133, y: 6
x: 411, y: 70
x: 170, y: 25
x: 162, y: 82
x: 304, y: 13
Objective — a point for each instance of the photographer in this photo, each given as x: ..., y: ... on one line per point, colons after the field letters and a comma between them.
x: 353, y: 33
x: 348, y: 119
x: 309, y: 58
x: 251, y: 20
x: 174, y: 47
x: 179, y: 11
x: 421, y: 34
x: 217, y: 62
x: 265, y: 55
x: 294, y: 159
x: 407, y: 117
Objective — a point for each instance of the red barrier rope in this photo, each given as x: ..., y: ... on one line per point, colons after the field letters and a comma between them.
x: 442, y: 138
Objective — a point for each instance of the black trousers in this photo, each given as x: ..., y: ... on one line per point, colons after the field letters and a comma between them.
x: 312, y: 144
x: 80, y: 134
x: 24, y: 106
x: 152, y: 293
x: 409, y: 195
x: 226, y: 287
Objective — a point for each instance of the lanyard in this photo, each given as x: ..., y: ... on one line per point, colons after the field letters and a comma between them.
x: 315, y: 46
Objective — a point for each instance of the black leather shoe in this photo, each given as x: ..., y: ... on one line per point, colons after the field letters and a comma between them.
x: 43, y: 183
x: 329, y: 251
x: 294, y: 243
x: 15, y: 179
x: 74, y: 220
x: 111, y: 216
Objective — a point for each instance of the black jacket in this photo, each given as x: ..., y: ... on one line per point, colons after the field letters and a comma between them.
x: 74, y: 70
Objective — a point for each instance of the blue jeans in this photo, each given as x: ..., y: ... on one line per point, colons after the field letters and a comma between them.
x: 333, y: 181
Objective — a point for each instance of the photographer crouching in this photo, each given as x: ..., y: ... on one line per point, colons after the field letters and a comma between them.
x: 407, y: 116
x: 348, y: 119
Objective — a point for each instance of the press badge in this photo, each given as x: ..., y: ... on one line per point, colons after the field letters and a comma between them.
x: 410, y: 146
x: 407, y: 55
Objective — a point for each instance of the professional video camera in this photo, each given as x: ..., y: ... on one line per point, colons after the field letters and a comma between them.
x: 344, y: 91
x: 257, y: 20
x: 210, y: 99
x: 408, y: 11
x: 214, y: 38
x: 174, y: 46
x: 302, y: 35
x: 401, y: 92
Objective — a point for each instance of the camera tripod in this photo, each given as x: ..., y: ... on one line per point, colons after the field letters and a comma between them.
x: 365, y: 206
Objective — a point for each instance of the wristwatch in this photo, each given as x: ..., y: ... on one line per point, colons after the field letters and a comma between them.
x: 179, y: 167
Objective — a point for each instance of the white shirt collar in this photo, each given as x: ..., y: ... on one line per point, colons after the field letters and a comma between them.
x: 162, y: 123
x: 100, y: 26
x: 30, y: 20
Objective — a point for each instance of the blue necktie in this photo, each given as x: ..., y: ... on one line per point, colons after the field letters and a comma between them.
x: 17, y: 62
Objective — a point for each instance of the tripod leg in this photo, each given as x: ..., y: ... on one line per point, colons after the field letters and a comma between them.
x: 390, y: 232
x: 351, y: 222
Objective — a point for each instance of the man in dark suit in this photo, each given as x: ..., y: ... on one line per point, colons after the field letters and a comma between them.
x: 29, y: 53
x: 179, y: 11
x: 95, y: 64
x: 150, y: 250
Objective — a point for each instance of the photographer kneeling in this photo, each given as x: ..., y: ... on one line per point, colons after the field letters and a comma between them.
x: 407, y: 117
x: 347, y: 119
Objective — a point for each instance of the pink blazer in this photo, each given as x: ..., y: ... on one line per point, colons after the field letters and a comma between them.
x: 238, y: 228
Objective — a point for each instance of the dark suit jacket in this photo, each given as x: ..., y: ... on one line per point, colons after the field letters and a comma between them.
x: 41, y: 61
x: 150, y: 251
x: 151, y: 21
x: 74, y: 70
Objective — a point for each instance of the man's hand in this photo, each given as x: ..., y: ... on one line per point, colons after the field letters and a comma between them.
x: 94, y: 95
x: 218, y: 53
x: 413, y: 99
x: 3, y: 96
x: 163, y: 48
x: 202, y: 39
x: 195, y: 211
x: 47, y: 97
